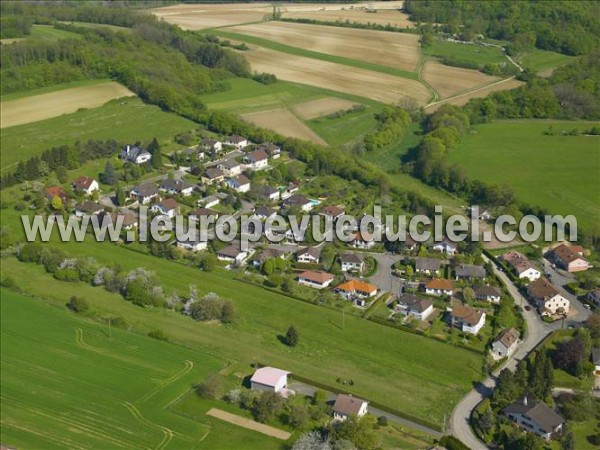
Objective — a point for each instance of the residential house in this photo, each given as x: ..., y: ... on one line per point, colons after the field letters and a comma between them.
x: 596, y: 360
x: 488, y: 293
x: 168, y: 207
x: 411, y: 305
x: 257, y: 160
x: 439, y: 286
x: 128, y: 221
x: 211, y: 145
x: 410, y: 244
x: 446, y: 246
x: 266, y: 254
x: 87, y: 185
x: 55, y: 191
x: 346, y: 406
x: 356, y: 290
x: 88, y: 208
x: 428, y: 266
x: 176, y: 187
x: 535, y: 417
x: 241, y: 183
x: 209, y: 201
x: 264, y: 212
x: 505, y: 344
x: 594, y: 296
x: 309, y: 255
x: 351, y: 262
x: 363, y: 240
x: 269, y: 379
x: 274, y: 151
x: 547, y: 298
x: 467, y: 319
x: 317, y: 280
x: 237, y: 141
x: 230, y: 167
x: 199, y: 213
x: 266, y: 192
x: 144, y: 193
x: 191, y: 245
x: 521, y: 265
x: 291, y: 189
x: 332, y: 211
x: 469, y: 272
x: 298, y: 200
x: 567, y: 258
x: 232, y: 254
x: 212, y: 175
x: 135, y: 154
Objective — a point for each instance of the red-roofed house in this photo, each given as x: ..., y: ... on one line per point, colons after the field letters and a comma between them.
x: 439, y: 286
x: 87, y: 185
x: 55, y: 191
x: 568, y: 258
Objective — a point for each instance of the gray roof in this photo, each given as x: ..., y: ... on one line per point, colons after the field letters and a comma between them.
x: 269, y: 253
x: 351, y: 258
x: 487, y: 291
x: 313, y: 251
x: 297, y: 199
x: 508, y: 337
x: 470, y: 271
x: 430, y: 264
x: 212, y: 173
x: 146, y: 190
x: 596, y: 356
x: 414, y: 303
x: 131, y: 152
x: 265, y: 191
x: 263, y: 211
x: 537, y: 412
x: 90, y: 207
x: 229, y: 164
x: 174, y: 185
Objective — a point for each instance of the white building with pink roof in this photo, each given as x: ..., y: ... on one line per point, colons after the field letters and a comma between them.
x: 269, y: 379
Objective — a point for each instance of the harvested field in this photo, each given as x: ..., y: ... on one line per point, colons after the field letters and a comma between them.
x: 398, y: 50
x: 450, y: 81
x: 45, y: 106
x: 459, y: 100
x: 284, y: 122
x: 248, y: 423
x: 336, y: 77
x: 322, y: 107
x: 392, y: 17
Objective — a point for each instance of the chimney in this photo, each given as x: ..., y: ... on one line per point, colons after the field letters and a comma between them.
x: 525, y: 401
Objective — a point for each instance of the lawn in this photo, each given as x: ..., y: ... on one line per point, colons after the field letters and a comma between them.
x: 558, y: 173
x: 125, y: 120
x: 472, y: 54
x: 417, y: 376
x: 69, y: 382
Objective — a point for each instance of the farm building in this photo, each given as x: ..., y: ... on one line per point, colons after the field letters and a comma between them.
x: 269, y: 379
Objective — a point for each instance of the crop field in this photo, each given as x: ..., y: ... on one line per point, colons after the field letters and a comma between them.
x: 416, y: 375
x: 399, y: 50
x: 123, y: 120
x: 449, y: 81
x: 34, y: 108
x: 461, y: 99
x: 388, y: 16
x: 377, y: 86
x: 284, y: 122
x: 69, y: 383
x: 322, y: 107
x: 559, y: 173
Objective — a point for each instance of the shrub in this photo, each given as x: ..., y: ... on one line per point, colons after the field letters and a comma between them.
x: 292, y: 337
x: 212, y: 387
x: 158, y: 334
x: 78, y: 304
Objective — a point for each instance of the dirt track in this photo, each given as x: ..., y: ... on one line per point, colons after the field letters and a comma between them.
x: 248, y: 423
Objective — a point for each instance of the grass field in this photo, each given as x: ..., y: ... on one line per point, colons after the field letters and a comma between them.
x: 44, y: 32
x: 67, y: 383
x: 418, y: 376
x: 473, y: 54
x: 123, y: 120
x: 34, y: 108
x: 540, y: 61
x: 559, y: 173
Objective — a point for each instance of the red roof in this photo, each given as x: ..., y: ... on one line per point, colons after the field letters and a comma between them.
x: 170, y: 203
x: 356, y: 285
x: 83, y: 182
x: 55, y: 191
x: 439, y: 283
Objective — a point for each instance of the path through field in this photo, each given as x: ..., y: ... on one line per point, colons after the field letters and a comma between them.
x: 248, y: 423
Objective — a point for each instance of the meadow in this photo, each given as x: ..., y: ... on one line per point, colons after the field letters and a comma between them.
x: 124, y: 120
x: 68, y: 382
x: 44, y: 32
x: 417, y: 376
x: 472, y: 54
x: 558, y: 173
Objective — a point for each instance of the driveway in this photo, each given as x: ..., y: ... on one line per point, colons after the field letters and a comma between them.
x: 383, y: 278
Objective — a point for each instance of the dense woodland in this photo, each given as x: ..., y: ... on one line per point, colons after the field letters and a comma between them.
x: 569, y: 27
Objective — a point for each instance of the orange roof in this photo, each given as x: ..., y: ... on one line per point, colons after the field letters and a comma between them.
x: 355, y: 285
x: 439, y: 283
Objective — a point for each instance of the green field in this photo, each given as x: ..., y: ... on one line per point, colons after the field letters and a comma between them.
x: 415, y: 375
x: 127, y: 120
x: 473, y: 54
x: 52, y: 88
x: 44, y: 32
x: 67, y: 383
x: 559, y: 173
x: 539, y: 60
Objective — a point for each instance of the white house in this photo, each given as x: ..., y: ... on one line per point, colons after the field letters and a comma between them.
x: 212, y: 175
x: 356, y: 290
x: 317, y: 280
x: 191, y: 245
x: 363, y: 240
x: 351, y: 262
x: 298, y: 200
x: 87, y: 185
x: 467, y: 319
x: 309, y: 255
x: 257, y: 160
x: 596, y: 360
x: 347, y: 405
x: 209, y: 202
x: 274, y: 151
x: 232, y: 254
x: 176, y: 187
x: 439, y: 286
x: 428, y: 266
x: 266, y: 192
x: 445, y: 246
x: 212, y: 145
x: 167, y: 207
x: 230, y: 167
x: 547, y: 298
x: 488, y: 293
x: 237, y: 141
x: 411, y: 305
x: 88, y: 208
x: 505, y: 344
x: 269, y: 379
x: 135, y: 154
x: 240, y: 183
x: 144, y: 193
x: 535, y: 417
x: 569, y: 258
x: 521, y: 265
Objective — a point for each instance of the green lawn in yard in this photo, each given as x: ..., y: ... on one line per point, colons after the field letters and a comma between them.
x: 127, y: 120
x: 558, y: 173
x: 69, y: 383
x: 473, y: 54
x: 415, y: 375
x: 582, y: 430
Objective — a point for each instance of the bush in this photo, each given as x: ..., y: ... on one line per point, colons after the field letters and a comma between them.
x: 8, y: 282
x: 382, y: 421
x: 211, y: 388
x: 158, y: 334
x: 78, y: 304
x: 292, y: 337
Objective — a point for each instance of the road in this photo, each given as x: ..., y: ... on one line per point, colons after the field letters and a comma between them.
x: 307, y: 389
x: 383, y: 277
x: 537, y: 330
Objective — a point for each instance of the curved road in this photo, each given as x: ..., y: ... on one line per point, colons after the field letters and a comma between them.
x: 537, y: 330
